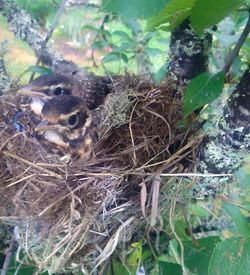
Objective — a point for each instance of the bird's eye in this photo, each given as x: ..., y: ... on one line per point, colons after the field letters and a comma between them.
x: 73, y: 120
x: 58, y: 91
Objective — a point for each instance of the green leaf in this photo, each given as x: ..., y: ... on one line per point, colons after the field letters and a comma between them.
x: 207, y: 13
x: 198, y: 210
x: 166, y: 268
x: 133, y: 9
x: 100, y: 44
x: 197, y: 258
x: 180, y: 229
x: 119, y: 268
x: 123, y: 35
x: 115, y: 56
x: 171, y: 16
x: 133, y: 260
x: 239, y: 219
x: 126, y: 46
x: 203, y: 89
x: 153, y: 51
x: 243, y: 175
x: 161, y: 73
x: 38, y: 70
x: 97, y: 30
x: 231, y: 256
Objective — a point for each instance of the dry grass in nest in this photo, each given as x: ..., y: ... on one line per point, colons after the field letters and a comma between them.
x: 73, y: 216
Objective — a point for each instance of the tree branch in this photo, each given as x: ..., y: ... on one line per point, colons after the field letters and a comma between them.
x: 188, y: 53
x: 50, y: 32
x: 27, y: 29
x: 4, y: 77
x: 238, y: 46
x: 227, y: 143
x: 8, y: 257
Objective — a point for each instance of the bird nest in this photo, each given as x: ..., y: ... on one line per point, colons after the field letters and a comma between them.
x: 73, y: 215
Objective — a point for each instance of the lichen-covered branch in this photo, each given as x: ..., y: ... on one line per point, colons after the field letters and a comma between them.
x: 4, y: 77
x: 188, y: 53
x: 27, y: 29
x: 228, y: 142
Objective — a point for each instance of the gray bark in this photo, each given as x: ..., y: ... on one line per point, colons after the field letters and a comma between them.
x: 27, y: 29
x: 4, y: 77
x: 228, y: 142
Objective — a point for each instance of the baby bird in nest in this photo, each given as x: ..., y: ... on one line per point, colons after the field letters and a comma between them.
x: 67, y: 127
x: 90, y: 88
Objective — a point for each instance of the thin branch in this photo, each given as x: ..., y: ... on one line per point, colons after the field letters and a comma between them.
x: 8, y: 257
x: 50, y: 32
x: 238, y: 46
x: 27, y: 29
x: 105, y: 19
x: 4, y: 76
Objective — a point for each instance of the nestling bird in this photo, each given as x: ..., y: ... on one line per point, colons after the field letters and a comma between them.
x: 67, y: 126
x: 92, y: 89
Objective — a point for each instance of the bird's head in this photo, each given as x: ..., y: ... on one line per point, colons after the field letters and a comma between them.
x: 68, y: 125
x: 45, y: 87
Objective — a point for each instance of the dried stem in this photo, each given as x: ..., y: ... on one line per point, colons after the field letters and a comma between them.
x: 8, y: 257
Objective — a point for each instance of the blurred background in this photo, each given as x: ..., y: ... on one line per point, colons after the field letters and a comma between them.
x: 106, y: 44
x: 98, y: 42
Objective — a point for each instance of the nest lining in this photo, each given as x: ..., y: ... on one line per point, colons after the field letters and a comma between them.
x: 70, y: 216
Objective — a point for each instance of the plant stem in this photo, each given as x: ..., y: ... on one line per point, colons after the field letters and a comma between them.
x: 50, y: 32
x: 9, y: 254
x: 238, y: 46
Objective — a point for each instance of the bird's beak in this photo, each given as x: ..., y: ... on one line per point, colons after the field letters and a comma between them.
x: 42, y: 126
x: 45, y: 126
x: 29, y: 90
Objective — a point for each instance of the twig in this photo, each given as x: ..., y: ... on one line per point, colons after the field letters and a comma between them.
x: 47, y: 171
x: 105, y: 19
x: 50, y: 32
x: 8, y: 257
x: 172, y: 226
x: 189, y: 228
x: 238, y: 46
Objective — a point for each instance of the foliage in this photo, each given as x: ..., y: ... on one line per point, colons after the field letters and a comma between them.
x: 202, y: 90
x: 133, y: 9
x: 236, y: 253
x: 39, y: 10
x: 202, y: 13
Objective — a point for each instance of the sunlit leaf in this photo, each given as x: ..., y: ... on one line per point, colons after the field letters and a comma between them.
x: 97, y: 30
x: 243, y: 175
x: 181, y: 230
x: 133, y: 260
x: 171, y: 16
x: 231, y: 256
x: 133, y: 9
x: 207, y: 13
x: 238, y: 218
x: 161, y: 73
x: 202, y: 90
x: 99, y: 44
x: 153, y: 51
x: 38, y: 70
x: 115, y: 56
x: 197, y: 258
x: 123, y: 35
